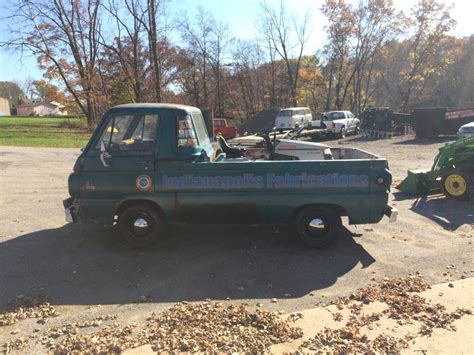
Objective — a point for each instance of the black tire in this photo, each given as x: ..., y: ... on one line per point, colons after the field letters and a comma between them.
x: 140, y: 225
x: 342, y: 134
x: 318, y: 227
x: 457, y: 184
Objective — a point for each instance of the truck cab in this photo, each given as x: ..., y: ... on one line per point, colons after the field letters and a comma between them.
x: 222, y: 127
x: 148, y: 165
x: 338, y: 123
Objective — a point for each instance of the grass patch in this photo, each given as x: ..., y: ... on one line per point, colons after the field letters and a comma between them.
x: 57, y: 132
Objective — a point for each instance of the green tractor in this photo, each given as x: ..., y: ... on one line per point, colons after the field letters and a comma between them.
x: 452, y: 172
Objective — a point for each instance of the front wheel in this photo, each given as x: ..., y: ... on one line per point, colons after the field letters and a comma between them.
x: 140, y: 225
x: 318, y: 227
x: 456, y: 184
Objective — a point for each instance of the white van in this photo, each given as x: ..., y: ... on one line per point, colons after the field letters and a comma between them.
x: 289, y: 118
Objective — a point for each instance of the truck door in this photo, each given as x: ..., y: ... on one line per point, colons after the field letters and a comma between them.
x: 127, y: 165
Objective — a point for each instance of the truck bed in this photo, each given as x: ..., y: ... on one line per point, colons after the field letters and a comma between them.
x: 352, y: 153
x: 336, y: 153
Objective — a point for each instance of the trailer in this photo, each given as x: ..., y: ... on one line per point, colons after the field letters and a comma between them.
x: 382, y: 122
x: 432, y: 122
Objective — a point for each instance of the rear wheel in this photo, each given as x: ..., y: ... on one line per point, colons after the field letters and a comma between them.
x: 456, y: 184
x: 140, y: 225
x: 318, y: 227
x: 342, y: 134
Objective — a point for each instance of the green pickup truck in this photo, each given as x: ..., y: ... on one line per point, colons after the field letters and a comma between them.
x: 150, y: 165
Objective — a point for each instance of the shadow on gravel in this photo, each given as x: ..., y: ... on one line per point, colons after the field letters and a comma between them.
x: 426, y: 141
x: 448, y: 213
x: 413, y: 141
x: 360, y: 138
x: 80, y: 264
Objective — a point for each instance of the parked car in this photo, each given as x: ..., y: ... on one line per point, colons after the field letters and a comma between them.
x: 292, y: 117
x: 466, y: 130
x: 156, y: 165
x: 222, y: 127
x: 338, y: 123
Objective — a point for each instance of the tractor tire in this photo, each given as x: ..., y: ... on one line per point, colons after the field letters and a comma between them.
x: 457, y: 184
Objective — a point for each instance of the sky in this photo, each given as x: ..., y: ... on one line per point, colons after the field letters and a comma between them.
x: 240, y: 15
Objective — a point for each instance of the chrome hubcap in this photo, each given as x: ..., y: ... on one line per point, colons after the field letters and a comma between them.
x: 141, y: 227
x: 140, y: 223
x: 317, y: 227
x: 316, y: 224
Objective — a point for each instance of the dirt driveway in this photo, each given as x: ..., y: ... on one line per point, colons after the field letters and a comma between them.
x: 84, y: 266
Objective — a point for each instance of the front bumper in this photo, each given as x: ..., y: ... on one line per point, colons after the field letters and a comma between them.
x: 391, y: 212
x: 465, y: 134
x: 70, y: 210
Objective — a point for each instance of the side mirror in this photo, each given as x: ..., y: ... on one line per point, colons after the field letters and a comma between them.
x: 104, y: 154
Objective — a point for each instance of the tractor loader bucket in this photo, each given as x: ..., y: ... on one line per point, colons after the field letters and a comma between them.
x: 416, y: 182
x: 457, y: 154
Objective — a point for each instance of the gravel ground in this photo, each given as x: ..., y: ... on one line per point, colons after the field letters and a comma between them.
x: 89, y: 272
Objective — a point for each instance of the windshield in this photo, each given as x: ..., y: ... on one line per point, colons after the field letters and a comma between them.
x: 329, y: 116
x: 201, y: 129
x: 285, y: 113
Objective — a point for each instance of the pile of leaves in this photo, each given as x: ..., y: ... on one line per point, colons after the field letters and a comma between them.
x: 213, y: 327
x: 404, y: 305
x: 190, y: 327
x: 16, y: 344
x: 349, y: 340
x: 23, y: 307
x: 111, y: 339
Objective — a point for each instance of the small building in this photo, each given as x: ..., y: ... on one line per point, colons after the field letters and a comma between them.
x: 4, y: 107
x: 40, y: 108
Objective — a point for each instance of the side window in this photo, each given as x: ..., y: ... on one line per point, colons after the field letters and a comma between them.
x: 186, y: 137
x: 126, y: 134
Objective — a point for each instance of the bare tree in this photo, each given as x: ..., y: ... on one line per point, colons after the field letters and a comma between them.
x: 375, y: 23
x: 64, y: 36
x: 26, y: 85
x: 152, y: 17
x: 247, y: 59
x: 431, y: 21
x: 219, y: 42
x: 337, y: 50
x: 355, y: 34
x: 127, y: 43
x: 288, y: 37
x: 198, y: 38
